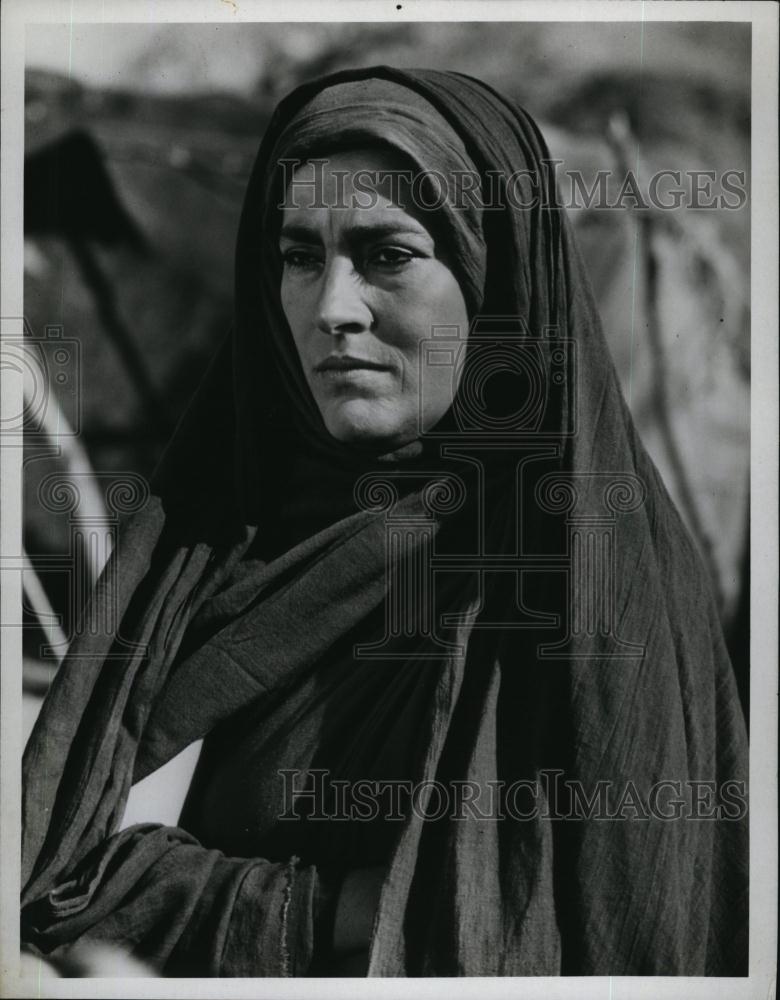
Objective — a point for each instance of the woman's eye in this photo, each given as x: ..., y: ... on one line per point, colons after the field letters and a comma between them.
x: 300, y: 259
x: 390, y: 258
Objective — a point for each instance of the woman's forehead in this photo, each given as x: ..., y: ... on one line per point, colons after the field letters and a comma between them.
x: 366, y: 188
x: 330, y: 175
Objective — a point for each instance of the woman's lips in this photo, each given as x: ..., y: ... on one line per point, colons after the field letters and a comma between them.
x: 340, y: 363
x: 347, y: 370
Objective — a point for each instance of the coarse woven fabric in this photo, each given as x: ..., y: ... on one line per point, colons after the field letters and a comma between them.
x: 254, y: 528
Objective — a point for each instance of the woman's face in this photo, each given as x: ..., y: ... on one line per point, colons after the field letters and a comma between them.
x: 364, y: 283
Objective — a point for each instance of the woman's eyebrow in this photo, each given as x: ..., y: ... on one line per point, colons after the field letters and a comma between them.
x: 378, y: 230
x: 371, y: 230
x: 298, y: 231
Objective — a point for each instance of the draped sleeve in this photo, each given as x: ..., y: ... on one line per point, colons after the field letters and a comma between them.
x: 188, y: 910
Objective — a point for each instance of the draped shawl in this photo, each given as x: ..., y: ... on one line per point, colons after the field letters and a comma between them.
x: 575, y: 631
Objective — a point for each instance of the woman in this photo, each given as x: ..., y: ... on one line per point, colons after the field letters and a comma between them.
x: 375, y: 559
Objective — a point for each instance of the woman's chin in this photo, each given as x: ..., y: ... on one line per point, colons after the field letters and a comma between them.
x: 368, y: 429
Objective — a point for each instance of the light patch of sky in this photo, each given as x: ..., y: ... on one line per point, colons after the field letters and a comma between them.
x: 176, y: 58
x: 155, y: 58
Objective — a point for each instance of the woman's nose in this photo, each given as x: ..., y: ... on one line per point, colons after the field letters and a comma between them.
x: 341, y: 307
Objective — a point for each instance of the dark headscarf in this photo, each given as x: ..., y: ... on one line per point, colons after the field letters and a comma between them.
x: 600, y: 659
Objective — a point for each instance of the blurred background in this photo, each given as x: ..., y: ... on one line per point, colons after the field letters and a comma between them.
x: 139, y: 143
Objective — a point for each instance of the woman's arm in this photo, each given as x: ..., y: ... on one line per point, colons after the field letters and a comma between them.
x: 356, y: 906
x: 346, y: 921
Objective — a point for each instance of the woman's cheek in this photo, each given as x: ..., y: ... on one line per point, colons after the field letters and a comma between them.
x: 294, y: 306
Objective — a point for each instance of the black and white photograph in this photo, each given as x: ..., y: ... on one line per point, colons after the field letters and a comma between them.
x: 389, y: 499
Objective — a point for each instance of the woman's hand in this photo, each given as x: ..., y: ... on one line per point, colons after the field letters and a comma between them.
x: 95, y: 959
x: 355, y: 911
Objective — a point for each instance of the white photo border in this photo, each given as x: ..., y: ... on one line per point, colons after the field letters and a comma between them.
x: 17, y: 15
